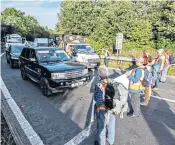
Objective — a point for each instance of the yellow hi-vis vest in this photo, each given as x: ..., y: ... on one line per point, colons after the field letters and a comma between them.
x: 137, y: 86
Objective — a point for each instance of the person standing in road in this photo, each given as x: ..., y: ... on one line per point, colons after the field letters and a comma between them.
x: 161, y: 61
x: 106, y: 59
x: 135, y: 88
x: 105, y: 120
x: 147, y: 90
x: 145, y: 57
x: 164, y: 72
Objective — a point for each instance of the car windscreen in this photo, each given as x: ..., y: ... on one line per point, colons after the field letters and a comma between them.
x: 52, y: 55
x: 14, y: 40
x: 16, y: 49
x: 83, y: 48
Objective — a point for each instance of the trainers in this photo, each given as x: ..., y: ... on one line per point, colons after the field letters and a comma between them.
x: 154, y: 89
x: 143, y: 104
x: 133, y: 115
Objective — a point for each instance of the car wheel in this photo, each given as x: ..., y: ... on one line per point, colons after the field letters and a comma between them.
x: 11, y: 64
x: 23, y: 73
x: 45, y: 88
x: 7, y: 60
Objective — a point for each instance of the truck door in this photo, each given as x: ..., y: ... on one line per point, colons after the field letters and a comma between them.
x: 33, y: 65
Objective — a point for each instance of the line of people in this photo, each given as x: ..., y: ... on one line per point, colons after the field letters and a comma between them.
x: 142, y: 79
x: 145, y: 77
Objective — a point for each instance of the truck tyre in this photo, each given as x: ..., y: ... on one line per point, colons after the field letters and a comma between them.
x: 11, y: 64
x: 7, y: 59
x: 45, y: 88
x: 23, y: 73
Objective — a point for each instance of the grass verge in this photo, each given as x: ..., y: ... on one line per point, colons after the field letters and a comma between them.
x: 6, y: 136
x: 129, y: 65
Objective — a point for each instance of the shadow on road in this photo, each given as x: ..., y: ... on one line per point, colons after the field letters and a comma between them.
x: 160, y: 119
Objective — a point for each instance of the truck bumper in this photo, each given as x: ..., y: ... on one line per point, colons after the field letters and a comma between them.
x: 62, y: 85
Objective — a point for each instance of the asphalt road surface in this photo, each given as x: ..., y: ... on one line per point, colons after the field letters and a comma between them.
x: 59, y: 118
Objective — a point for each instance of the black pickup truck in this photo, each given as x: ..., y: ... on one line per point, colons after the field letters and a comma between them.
x: 52, y: 68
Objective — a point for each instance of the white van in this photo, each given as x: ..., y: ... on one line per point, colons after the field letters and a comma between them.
x: 41, y: 42
x: 84, y: 54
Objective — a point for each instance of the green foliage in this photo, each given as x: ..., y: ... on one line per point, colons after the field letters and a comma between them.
x: 98, y: 46
x: 171, y: 71
x: 27, y: 26
x: 145, y: 24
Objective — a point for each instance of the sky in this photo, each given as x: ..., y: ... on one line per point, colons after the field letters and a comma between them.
x: 45, y: 11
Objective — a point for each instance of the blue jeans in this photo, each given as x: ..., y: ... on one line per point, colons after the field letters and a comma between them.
x: 157, y: 80
x: 164, y: 74
x: 105, y: 130
x: 106, y: 61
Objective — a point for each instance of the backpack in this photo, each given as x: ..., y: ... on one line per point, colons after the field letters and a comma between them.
x: 110, y: 92
x: 172, y: 59
x: 155, y: 70
x: 120, y: 99
x: 147, y: 80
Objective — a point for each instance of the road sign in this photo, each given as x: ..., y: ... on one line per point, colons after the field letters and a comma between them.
x: 119, y: 41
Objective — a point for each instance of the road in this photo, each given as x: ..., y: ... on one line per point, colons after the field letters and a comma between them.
x: 59, y: 118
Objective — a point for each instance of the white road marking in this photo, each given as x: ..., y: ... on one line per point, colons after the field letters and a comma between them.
x: 2, y: 54
x: 80, y: 137
x: 19, y: 116
x: 165, y: 99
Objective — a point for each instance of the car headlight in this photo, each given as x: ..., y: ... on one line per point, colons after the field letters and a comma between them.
x: 14, y: 57
x: 85, y: 71
x: 58, y: 75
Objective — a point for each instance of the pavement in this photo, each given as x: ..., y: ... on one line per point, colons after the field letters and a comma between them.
x: 59, y: 118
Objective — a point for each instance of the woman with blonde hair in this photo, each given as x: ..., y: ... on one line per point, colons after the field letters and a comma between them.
x: 164, y: 72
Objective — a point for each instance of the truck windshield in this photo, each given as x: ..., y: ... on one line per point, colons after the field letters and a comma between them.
x: 16, y: 49
x: 83, y: 48
x: 14, y: 40
x: 52, y: 55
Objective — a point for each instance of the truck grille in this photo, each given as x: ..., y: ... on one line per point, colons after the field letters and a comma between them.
x: 42, y: 44
x: 74, y: 74
x: 93, y: 60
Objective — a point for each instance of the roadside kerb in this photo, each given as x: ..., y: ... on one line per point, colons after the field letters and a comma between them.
x: 11, y: 110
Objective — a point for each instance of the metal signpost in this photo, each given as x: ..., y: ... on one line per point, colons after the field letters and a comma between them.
x: 119, y: 41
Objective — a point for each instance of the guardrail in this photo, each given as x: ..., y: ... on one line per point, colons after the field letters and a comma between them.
x: 120, y: 58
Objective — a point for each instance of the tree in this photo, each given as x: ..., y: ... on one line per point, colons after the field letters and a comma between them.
x: 26, y: 25
x: 145, y: 24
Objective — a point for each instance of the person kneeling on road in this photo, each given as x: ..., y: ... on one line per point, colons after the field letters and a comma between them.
x: 105, y: 120
x: 135, y: 88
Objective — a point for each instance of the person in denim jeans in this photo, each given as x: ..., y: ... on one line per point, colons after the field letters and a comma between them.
x: 105, y: 120
x: 106, y: 59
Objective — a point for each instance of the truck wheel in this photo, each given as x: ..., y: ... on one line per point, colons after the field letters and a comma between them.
x: 45, y: 88
x: 23, y: 73
x: 11, y: 64
x: 7, y: 60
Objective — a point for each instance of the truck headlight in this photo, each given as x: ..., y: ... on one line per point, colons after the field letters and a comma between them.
x: 85, y: 71
x: 58, y: 75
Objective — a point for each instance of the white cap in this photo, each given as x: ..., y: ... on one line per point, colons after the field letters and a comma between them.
x: 103, y: 71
